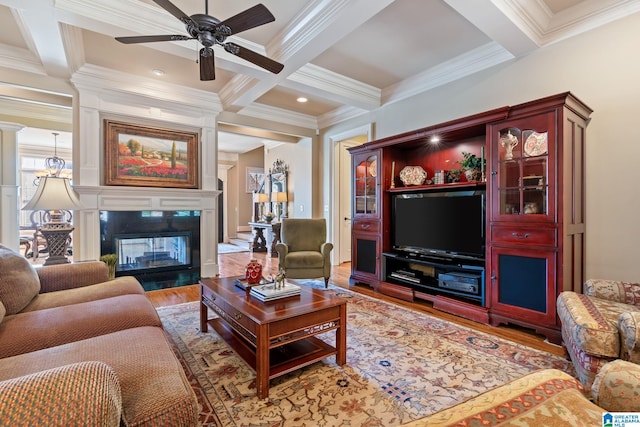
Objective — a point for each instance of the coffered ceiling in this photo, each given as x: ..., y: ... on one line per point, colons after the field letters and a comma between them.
x: 344, y: 56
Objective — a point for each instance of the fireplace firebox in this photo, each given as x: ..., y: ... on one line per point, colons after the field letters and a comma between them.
x: 152, y: 251
x: 160, y: 248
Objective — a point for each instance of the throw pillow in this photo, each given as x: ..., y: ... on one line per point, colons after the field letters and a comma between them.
x: 19, y: 282
x: 3, y: 311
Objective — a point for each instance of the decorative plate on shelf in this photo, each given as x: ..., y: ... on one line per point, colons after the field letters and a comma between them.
x: 536, y: 144
x: 413, y: 175
x: 373, y: 168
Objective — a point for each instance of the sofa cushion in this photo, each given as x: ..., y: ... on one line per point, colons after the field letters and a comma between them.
x: 155, y: 390
x: 19, y: 282
x: 592, y: 322
x: 35, y: 330
x: 126, y: 285
x: 86, y: 393
x: 3, y: 311
x: 542, y: 398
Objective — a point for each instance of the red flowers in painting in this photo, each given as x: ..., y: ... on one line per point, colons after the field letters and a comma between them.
x: 135, y: 166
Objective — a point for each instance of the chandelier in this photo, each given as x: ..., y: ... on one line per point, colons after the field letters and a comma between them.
x: 54, y: 166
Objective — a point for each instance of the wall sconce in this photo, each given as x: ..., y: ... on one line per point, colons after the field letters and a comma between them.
x: 278, y: 197
x: 54, y: 194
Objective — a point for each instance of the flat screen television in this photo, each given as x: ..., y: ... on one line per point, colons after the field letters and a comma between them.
x: 448, y: 224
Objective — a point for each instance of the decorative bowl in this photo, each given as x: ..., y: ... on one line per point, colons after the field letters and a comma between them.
x: 413, y: 175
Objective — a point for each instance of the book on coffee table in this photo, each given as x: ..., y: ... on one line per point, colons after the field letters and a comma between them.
x: 270, y: 292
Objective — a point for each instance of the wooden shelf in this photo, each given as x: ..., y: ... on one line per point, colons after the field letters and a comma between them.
x: 432, y: 187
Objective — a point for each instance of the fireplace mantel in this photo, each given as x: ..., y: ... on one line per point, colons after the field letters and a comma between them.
x: 122, y: 198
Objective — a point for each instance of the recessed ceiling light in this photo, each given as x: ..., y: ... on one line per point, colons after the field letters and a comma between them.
x: 435, y: 139
x: 158, y: 72
x: 302, y: 99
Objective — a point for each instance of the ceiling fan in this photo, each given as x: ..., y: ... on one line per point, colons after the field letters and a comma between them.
x: 210, y: 31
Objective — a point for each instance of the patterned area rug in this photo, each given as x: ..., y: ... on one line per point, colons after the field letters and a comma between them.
x: 401, y: 366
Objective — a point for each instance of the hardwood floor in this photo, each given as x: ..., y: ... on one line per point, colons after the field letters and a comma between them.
x: 233, y: 264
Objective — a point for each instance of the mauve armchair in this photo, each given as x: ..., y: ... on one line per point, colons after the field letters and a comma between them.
x: 303, y: 251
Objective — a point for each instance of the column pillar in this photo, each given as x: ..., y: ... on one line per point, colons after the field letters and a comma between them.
x: 9, y: 185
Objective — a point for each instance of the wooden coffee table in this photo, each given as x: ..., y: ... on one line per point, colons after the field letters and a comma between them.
x: 274, y: 337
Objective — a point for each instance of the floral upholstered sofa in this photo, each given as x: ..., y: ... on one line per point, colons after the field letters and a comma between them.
x: 547, y: 397
x: 600, y: 325
x: 77, y: 349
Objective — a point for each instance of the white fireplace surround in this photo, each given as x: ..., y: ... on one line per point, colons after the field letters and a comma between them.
x: 87, y: 222
x: 107, y: 94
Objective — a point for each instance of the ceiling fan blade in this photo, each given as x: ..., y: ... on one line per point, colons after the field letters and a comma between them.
x: 173, y: 9
x: 254, y: 57
x: 250, y: 18
x: 148, y: 39
x: 207, y: 64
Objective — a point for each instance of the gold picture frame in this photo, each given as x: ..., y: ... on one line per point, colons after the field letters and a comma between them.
x: 145, y: 156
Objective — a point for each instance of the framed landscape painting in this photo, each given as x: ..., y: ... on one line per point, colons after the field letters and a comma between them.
x: 145, y: 156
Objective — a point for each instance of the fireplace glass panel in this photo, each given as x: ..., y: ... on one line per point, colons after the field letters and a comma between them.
x: 140, y: 252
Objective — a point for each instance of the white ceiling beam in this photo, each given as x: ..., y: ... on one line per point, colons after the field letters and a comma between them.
x: 500, y: 23
x: 40, y: 29
x: 317, y: 27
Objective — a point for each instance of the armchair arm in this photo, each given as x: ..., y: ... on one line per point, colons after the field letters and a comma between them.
x: 74, y: 275
x: 326, y: 249
x: 617, y: 387
x: 283, y: 250
x: 629, y: 327
x: 86, y: 393
x: 613, y: 290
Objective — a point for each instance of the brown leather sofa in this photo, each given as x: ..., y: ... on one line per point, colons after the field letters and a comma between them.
x: 77, y: 349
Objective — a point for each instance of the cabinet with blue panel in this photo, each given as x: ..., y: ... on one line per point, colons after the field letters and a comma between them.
x: 536, y: 211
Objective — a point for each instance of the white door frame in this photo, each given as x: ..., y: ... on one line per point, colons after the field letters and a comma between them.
x: 335, y: 188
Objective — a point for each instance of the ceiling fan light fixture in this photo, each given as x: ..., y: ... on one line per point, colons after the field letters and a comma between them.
x: 209, y: 31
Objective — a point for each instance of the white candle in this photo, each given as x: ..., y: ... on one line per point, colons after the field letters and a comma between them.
x: 393, y: 174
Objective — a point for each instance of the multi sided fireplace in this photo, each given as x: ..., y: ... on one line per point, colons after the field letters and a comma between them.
x: 145, y: 251
x: 160, y: 248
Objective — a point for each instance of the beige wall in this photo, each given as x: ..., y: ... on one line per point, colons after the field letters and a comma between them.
x: 602, y: 69
x: 299, y: 158
x: 244, y: 209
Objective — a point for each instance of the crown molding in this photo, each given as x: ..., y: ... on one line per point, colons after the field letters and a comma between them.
x: 35, y: 110
x: 479, y: 59
x: 338, y: 87
x: 339, y: 115
x: 93, y: 78
x: 279, y: 115
x: 20, y: 59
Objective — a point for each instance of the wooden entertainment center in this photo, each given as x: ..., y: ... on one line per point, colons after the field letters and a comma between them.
x: 534, y: 207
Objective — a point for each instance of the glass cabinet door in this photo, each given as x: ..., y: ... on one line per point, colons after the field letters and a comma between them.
x: 523, y: 175
x: 365, y: 185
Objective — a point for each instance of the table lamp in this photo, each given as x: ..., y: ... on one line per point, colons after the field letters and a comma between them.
x: 260, y: 199
x: 278, y: 197
x: 54, y: 194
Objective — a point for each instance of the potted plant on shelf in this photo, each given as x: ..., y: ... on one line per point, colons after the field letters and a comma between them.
x: 472, y: 166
